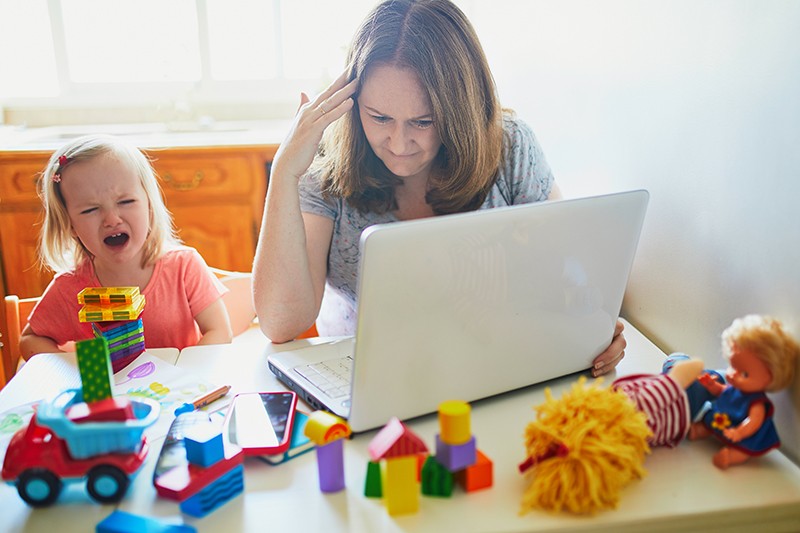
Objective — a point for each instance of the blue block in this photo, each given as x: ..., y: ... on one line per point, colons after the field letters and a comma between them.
x: 122, y: 522
x: 456, y: 457
x: 203, y: 444
x: 225, y: 488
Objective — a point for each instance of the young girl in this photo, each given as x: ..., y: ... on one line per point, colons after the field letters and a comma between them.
x: 762, y: 358
x: 106, y: 224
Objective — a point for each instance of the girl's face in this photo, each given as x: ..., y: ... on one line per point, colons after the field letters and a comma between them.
x: 398, y: 122
x: 747, y: 372
x: 108, y: 209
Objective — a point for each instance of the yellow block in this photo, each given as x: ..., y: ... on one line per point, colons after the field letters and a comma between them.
x: 454, y: 422
x: 400, y: 485
x: 323, y: 427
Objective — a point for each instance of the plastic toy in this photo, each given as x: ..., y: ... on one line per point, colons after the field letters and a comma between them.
x: 94, y: 366
x: 125, y: 340
x: 107, y: 295
x: 112, y: 312
x: 762, y: 358
x: 122, y: 522
x: 53, y: 449
x: 328, y: 432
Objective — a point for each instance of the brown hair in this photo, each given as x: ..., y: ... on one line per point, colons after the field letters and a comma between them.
x: 434, y: 39
x: 59, y: 249
x: 765, y: 338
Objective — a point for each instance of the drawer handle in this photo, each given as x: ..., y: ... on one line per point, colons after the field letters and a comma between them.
x: 184, y: 185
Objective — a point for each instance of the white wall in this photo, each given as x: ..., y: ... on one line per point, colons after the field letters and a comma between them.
x: 697, y: 101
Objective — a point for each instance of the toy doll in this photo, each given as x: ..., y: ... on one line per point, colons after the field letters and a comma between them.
x: 586, y: 446
x: 762, y: 358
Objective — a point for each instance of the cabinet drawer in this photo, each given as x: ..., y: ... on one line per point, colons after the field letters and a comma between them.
x: 18, y: 180
x: 205, y: 177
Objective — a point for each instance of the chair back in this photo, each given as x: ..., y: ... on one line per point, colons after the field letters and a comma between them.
x: 239, y: 298
x: 17, y: 311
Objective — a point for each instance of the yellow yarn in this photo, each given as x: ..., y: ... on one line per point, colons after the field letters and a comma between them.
x: 606, y: 441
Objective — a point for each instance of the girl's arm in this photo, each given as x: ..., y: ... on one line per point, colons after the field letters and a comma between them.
x: 30, y: 344
x: 755, y: 417
x: 290, y: 264
x: 215, y: 326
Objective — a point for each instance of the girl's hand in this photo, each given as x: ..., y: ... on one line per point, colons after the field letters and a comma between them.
x: 606, y: 361
x: 298, y: 149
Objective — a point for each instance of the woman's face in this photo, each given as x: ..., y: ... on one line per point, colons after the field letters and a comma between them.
x: 398, y: 122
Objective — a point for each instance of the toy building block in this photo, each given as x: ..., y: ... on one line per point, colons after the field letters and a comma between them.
x: 454, y: 422
x: 399, y: 483
x: 94, y: 365
x: 107, y: 295
x: 204, y: 446
x: 395, y: 440
x: 456, y: 457
x: 108, y: 410
x: 327, y: 431
x: 478, y: 476
x: 111, y: 312
x: 201, y: 489
x: 436, y: 479
x: 122, y: 522
x: 330, y: 466
x: 372, y: 484
x: 125, y: 340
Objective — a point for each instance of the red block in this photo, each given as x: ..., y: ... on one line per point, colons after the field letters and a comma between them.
x: 478, y: 476
x: 108, y: 410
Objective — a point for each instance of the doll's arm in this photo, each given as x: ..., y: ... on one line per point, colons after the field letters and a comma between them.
x: 755, y: 417
x: 712, y: 385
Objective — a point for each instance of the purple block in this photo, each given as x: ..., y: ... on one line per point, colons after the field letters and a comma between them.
x: 330, y: 464
x: 456, y: 457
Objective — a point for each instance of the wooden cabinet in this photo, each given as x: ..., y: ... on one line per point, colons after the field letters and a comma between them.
x: 215, y: 194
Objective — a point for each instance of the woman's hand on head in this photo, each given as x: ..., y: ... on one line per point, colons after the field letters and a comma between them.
x: 298, y: 149
x: 608, y: 360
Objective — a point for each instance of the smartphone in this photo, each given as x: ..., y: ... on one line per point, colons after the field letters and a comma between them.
x: 261, y: 422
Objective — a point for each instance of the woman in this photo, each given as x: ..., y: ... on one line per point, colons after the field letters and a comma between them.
x: 416, y: 130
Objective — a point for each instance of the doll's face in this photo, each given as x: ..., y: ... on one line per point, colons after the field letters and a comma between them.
x: 747, y: 372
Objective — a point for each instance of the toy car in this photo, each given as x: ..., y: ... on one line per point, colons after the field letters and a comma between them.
x: 104, y: 449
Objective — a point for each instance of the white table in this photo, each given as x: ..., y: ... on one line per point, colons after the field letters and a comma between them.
x: 682, y: 491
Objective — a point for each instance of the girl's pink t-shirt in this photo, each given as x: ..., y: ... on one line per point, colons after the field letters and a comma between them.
x: 181, y: 287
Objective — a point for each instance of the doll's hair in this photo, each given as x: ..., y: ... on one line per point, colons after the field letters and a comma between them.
x: 766, y: 338
x: 59, y: 249
x: 583, y: 449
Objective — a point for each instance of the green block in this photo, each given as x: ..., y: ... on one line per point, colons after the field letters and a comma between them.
x: 372, y: 486
x: 94, y: 365
x: 437, y: 480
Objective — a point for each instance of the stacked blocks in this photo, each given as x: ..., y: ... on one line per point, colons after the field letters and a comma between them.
x: 397, y: 449
x: 456, y: 449
x: 328, y: 432
x: 114, y: 313
x: 214, y: 475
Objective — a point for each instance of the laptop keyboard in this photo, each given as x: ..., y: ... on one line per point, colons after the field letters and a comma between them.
x: 331, y: 377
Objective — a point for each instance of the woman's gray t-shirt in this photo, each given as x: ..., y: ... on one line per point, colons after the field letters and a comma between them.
x: 524, y: 177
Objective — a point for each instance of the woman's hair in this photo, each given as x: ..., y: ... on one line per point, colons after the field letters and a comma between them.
x: 765, y: 338
x: 434, y: 39
x: 59, y: 248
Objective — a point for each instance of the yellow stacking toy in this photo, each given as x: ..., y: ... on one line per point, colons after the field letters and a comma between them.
x: 454, y: 422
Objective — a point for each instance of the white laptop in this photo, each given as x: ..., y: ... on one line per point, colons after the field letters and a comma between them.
x: 472, y: 305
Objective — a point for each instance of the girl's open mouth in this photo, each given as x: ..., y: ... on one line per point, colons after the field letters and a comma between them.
x: 117, y: 239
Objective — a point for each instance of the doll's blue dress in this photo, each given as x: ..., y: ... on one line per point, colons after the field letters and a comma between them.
x: 730, y: 409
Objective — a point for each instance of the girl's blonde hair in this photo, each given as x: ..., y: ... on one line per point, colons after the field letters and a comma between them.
x: 59, y: 248
x: 434, y: 39
x: 764, y: 337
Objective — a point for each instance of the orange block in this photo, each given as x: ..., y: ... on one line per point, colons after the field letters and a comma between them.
x: 478, y: 476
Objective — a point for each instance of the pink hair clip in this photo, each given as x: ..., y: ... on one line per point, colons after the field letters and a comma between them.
x: 62, y: 162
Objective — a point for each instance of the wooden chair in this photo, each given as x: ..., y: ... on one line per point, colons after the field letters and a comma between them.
x: 17, y: 311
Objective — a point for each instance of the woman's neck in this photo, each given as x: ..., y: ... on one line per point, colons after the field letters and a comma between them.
x: 410, y: 197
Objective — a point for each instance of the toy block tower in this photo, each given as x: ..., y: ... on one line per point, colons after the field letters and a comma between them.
x: 397, y: 449
x: 214, y: 475
x: 115, y: 315
x: 457, y: 452
x: 328, y: 432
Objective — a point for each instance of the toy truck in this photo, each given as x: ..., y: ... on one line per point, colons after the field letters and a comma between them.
x: 68, y: 441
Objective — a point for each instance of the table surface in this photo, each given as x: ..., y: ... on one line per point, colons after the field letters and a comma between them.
x: 682, y: 489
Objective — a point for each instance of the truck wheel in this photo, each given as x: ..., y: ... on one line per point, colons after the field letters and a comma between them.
x: 107, y: 484
x: 39, y: 487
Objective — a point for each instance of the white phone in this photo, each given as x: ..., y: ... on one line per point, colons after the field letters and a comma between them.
x: 261, y: 422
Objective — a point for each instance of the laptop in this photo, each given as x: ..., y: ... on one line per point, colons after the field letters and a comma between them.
x: 471, y: 305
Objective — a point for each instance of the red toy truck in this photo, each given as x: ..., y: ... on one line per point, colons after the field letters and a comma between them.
x: 104, y: 444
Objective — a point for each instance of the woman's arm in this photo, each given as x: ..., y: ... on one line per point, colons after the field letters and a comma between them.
x: 290, y: 264
x: 214, y: 324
